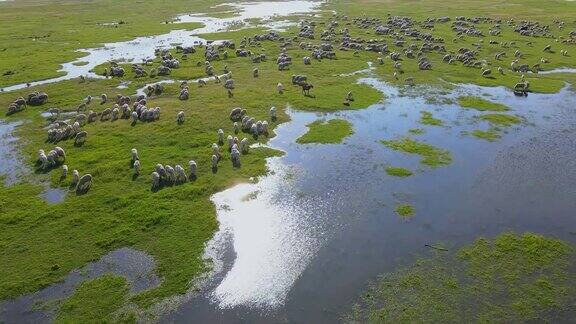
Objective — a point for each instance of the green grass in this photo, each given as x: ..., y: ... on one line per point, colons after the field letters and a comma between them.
x: 405, y: 210
x: 426, y: 118
x: 490, y: 135
x: 501, y: 119
x: 511, y: 279
x: 480, y: 104
x: 398, y: 172
x: 331, y: 132
x: 416, y: 131
x: 431, y: 156
x: 95, y: 301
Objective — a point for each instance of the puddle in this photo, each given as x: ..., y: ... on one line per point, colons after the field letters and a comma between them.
x: 558, y: 70
x: 11, y: 164
x: 54, y: 195
x: 136, y: 266
x: 142, y: 48
x: 303, y: 241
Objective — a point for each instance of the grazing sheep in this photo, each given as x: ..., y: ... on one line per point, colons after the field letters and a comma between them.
x: 60, y: 153
x: 307, y: 60
x: 192, y: 168
x: 230, y: 141
x: 115, y: 113
x: 64, y: 171
x: 244, y: 146
x: 42, y: 159
x: 265, y: 127
x: 134, y: 117
x: 81, y: 107
x: 80, y: 138
x: 306, y: 87
x: 486, y: 72
x: 215, y: 150
x: 280, y: 88
x: 236, y: 128
x: 135, y: 156
x: 501, y: 70
x: 255, y: 72
x: 349, y: 96
x: 180, y: 174
x: 220, y: 136
x: 103, y: 98
x: 76, y: 127
x: 184, y: 94
x: 137, y: 167
x: 170, y: 174
x: 254, y: 130
x: 84, y: 184
x: 180, y: 118
x: 214, y: 162
x: 92, y: 116
x: 160, y: 170
x: 235, y: 155
x: 155, y: 180
x: 273, y: 113
x: 88, y: 99
x: 75, y: 178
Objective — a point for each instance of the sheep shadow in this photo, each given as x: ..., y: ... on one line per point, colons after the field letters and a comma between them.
x: 192, y: 178
x: 78, y: 144
x: 214, y: 169
x: 135, y: 176
x: 309, y: 95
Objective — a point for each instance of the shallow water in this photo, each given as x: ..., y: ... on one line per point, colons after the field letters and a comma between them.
x: 137, y: 267
x: 303, y: 242
x: 11, y: 164
x: 142, y: 48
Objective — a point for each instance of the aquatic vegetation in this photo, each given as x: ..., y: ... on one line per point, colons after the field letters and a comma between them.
x: 96, y: 299
x: 501, y: 119
x: 426, y: 118
x: 480, y: 104
x: 405, y: 210
x: 490, y: 135
x: 416, y: 131
x: 330, y: 132
x: 512, y: 278
x: 431, y: 156
x: 398, y: 172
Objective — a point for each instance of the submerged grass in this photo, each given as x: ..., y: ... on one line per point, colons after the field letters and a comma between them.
x: 426, y: 118
x: 398, y: 172
x: 405, y: 210
x: 431, y: 156
x: 480, y: 104
x: 490, y: 135
x: 331, y: 132
x: 513, y: 278
x: 501, y: 119
x: 95, y: 301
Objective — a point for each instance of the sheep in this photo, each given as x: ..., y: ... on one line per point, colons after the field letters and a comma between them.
x: 134, y: 153
x: 160, y: 170
x: 184, y: 94
x: 134, y: 117
x: 42, y: 159
x: 88, y: 99
x: 180, y: 174
x: 273, y: 113
x: 114, y: 114
x: 61, y: 154
x: 80, y: 138
x: 214, y: 162
x: 230, y: 140
x: 307, y: 60
x: 92, y: 116
x: 155, y: 180
x: 236, y: 128
x: 64, y: 171
x: 75, y: 178
x: 180, y: 118
x: 84, y: 184
x: 306, y: 87
x: 235, y: 155
x: 244, y: 147
x: 254, y: 130
x: 255, y: 72
x: 220, y: 136
x: 215, y: 150
x: 103, y: 98
x: 192, y: 168
x: 280, y: 88
x: 265, y: 127
x: 501, y: 70
x: 81, y: 107
x: 170, y: 174
x: 137, y: 167
x: 349, y: 96
x: 76, y: 127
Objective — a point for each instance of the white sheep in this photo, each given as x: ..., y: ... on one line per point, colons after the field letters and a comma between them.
x: 235, y: 155
x: 155, y: 180
x: 254, y: 129
x: 214, y: 161
x: 75, y: 178
x: 42, y: 159
x: 236, y: 128
x: 134, y: 117
x: 170, y: 173
x: 180, y: 174
x: 115, y: 113
x: 220, y: 136
x: 273, y: 113
x: 137, y: 167
x: 230, y: 140
x: 244, y: 146
x: 192, y: 168
x: 215, y: 149
x: 280, y: 88
x: 64, y: 171
x: 265, y: 127
x: 180, y: 118
x: 60, y: 153
x: 84, y: 184
x: 135, y: 156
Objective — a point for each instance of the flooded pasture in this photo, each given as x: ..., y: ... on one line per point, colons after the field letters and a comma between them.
x: 301, y: 243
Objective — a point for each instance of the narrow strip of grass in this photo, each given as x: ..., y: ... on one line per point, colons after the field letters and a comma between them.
x: 398, y: 172
x: 501, y: 119
x: 480, y: 104
x: 426, y: 118
x: 490, y: 135
x: 331, y: 132
x: 431, y: 155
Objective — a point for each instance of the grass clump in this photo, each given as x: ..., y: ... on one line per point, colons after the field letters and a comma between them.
x: 513, y: 278
x: 398, y: 172
x: 431, y: 156
x: 405, y: 210
x: 426, y: 118
x: 94, y: 301
x: 501, y: 119
x: 416, y: 131
x: 480, y: 104
x: 490, y: 135
x: 332, y: 132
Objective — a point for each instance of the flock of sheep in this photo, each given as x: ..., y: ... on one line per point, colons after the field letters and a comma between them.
x: 404, y: 32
